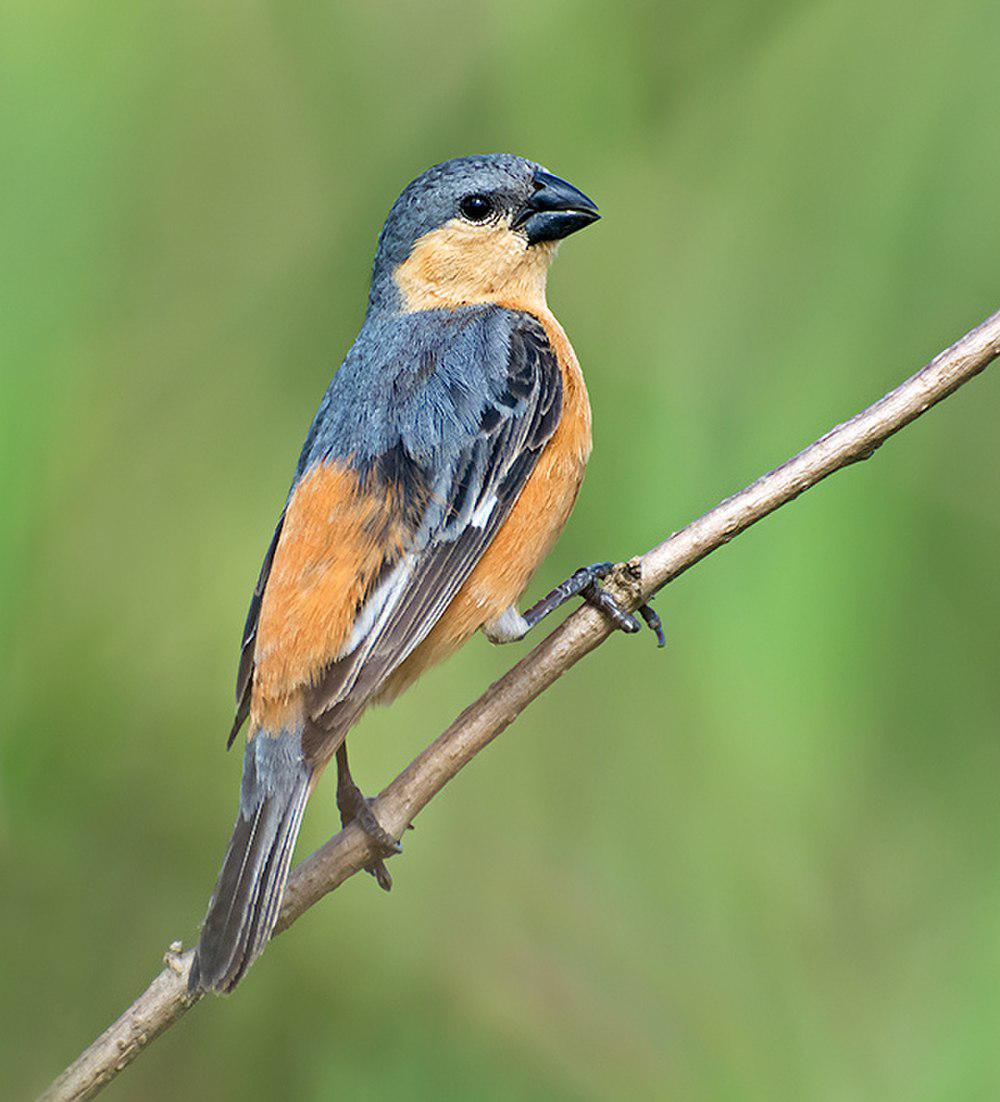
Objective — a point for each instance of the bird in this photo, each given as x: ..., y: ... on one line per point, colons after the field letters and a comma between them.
x: 442, y: 463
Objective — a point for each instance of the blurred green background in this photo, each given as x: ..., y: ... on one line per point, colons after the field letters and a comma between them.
x: 760, y: 865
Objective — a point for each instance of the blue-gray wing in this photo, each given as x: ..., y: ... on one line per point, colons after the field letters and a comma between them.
x: 468, y: 475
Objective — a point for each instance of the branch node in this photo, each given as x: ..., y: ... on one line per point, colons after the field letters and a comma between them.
x: 625, y: 583
x: 172, y: 958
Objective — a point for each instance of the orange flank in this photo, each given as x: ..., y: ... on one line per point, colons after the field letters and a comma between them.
x: 334, y: 542
x: 501, y: 576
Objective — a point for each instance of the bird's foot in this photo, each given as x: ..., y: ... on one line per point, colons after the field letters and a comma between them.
x: 585, y: 583
x: 354, y: 807
x: 600, y: 598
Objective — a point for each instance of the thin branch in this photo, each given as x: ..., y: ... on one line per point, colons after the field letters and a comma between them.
x: 166, y: 999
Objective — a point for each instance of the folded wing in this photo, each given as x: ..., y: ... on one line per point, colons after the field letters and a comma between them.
x: 461, y: 442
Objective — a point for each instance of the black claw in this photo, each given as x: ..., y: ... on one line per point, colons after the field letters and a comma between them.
x: 653, y: 622
x: 382, y: 875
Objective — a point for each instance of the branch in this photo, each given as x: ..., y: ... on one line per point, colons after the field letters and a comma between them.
x: 166, y: 999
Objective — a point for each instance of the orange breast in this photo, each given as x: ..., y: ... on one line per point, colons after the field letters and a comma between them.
x: 532, y: 527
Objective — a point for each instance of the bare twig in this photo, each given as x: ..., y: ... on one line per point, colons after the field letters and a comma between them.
x: 166, y: 999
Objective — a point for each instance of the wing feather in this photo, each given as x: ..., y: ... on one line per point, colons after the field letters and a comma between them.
x: 470, y: 499
x: 244, y: 675
x: 470, y: 482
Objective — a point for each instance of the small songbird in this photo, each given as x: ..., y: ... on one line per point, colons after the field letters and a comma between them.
x: 441, y: 466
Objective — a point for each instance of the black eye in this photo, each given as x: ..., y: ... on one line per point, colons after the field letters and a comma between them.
x: 477, y: 208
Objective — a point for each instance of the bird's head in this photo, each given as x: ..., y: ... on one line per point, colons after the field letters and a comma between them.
x: 477, y: 229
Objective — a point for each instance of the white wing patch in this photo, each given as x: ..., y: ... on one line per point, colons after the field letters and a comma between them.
x: 377, y: 609
x: 481, y: 517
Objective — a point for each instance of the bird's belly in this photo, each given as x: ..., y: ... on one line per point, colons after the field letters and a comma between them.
x: 531, y: 529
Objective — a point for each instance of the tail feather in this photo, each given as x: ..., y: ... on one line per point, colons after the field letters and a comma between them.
x: 247, y: 897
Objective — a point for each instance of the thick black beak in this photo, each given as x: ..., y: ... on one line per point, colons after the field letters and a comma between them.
x: 556, y: 210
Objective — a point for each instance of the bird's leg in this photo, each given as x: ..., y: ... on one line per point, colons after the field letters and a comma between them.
x: 584, y: 583
x: 511, y: 625
x: 355, y: 808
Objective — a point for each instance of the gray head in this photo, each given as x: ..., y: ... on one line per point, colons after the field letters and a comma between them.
x: 474, y: 229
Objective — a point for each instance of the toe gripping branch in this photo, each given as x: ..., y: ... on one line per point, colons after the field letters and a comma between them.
x: 585, y: 583
x: 354, y: 807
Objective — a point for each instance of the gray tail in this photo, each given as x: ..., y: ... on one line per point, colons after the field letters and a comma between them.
x: 248, y: 893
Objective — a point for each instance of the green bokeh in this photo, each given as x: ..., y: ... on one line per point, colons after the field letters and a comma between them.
x: 761, y: 865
